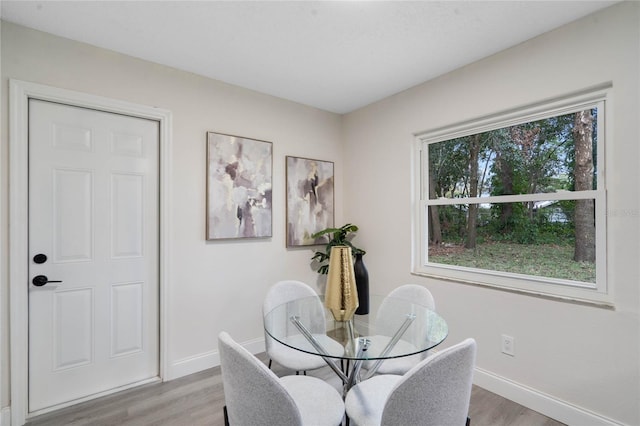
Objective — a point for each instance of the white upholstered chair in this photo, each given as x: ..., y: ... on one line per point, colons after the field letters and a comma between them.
x: 413, y: 293
x: 314, y: 320
x: 435, y: 392
x: 254, y: 395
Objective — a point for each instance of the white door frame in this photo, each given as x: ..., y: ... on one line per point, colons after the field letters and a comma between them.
x: 19, y: 95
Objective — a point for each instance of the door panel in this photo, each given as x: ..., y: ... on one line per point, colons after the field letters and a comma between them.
x: 72, y: 328
x: 127, y: 232
x: 72, y: 215
x: 127, y: 309
x: 93, y: 211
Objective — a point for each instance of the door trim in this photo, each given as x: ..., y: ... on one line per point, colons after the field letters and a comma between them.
x: 19, y: 94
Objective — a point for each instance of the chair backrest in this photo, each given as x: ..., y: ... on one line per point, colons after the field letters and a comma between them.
x: 286, y: 291
x: 253, y: 393
x: 416, y: 293
x: 437, y: 391
x: 387, y: 325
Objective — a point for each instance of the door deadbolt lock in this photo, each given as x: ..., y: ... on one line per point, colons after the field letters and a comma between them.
x: 40, y: 280
x: 40, y: 258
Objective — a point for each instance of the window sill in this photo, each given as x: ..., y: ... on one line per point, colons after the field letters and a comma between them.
x: 587, y: 298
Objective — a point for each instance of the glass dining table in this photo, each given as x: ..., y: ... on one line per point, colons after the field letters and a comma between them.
x: 393, y: 328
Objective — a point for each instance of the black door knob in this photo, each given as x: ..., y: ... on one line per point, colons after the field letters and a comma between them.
x: 40, y: 280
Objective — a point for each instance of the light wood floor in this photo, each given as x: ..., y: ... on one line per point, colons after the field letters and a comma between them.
x: 197, y: 400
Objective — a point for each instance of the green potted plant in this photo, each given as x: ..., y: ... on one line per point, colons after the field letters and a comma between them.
x: 336, y: 237
x: 342, y: 237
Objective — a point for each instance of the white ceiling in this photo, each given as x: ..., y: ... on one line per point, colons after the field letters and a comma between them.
x: 333, y: 55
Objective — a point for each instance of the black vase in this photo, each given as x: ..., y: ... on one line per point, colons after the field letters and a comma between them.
x: 362, y: 284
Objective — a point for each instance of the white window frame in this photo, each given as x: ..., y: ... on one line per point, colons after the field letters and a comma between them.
x: 599, y: 293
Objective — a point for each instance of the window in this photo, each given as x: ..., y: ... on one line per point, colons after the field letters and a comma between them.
x: 517, y: 200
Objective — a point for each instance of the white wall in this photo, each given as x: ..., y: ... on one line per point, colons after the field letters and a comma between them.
x: 579, y: 363
x: 213, y: 286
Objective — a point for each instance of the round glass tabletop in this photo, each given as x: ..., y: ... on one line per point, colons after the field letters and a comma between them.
x: 393, y: 328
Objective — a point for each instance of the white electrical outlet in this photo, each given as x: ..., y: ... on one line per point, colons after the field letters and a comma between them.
x: 508, y: 345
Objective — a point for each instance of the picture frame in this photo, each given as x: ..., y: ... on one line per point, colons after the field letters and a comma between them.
x: 310, y: 199
x: 239, y: 187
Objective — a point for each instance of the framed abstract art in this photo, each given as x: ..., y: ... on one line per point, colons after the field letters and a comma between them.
x: 239, y: 185
x: 310, y: 199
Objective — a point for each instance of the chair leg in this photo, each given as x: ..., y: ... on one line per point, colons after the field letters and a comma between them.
x: 226, y: 416
x: 468, y: 421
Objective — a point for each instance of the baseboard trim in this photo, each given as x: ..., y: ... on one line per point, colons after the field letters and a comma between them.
x: 203, y: 361
x: 545, y: 404
x: 528, y: 397
x: 531, y: 398
x: 5, y: 416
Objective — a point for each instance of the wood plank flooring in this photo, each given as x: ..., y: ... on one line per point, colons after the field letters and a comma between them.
x: 197, y: 400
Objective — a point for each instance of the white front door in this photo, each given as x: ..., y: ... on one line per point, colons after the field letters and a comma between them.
x: 93, y: 252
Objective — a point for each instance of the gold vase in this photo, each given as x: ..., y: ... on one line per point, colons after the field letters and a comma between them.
x: 341, y: 297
